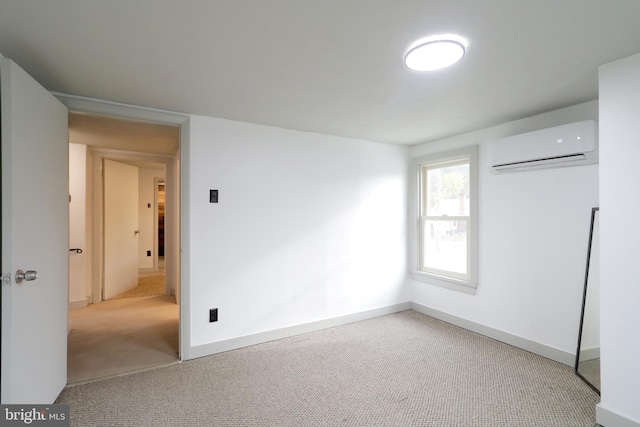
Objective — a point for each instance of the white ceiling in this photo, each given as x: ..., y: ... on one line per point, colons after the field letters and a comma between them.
x: 328, y: 66
x: 123, y: 135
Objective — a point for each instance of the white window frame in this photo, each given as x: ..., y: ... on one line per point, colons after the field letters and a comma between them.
x: 451, y: 280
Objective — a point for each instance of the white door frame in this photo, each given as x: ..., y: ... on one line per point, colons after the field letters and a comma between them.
x: 96, y: 239
x: 176, y: 267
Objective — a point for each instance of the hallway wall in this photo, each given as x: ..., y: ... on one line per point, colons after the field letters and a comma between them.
x: 79, y: 273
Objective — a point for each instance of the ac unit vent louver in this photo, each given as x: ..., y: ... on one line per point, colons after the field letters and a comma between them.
x: 567, y: 145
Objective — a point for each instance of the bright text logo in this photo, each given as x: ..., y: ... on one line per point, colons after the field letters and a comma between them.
x: 34, y: 415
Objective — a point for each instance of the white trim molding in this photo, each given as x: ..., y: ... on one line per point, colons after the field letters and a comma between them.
x: 608, y: 418
x: 178, y: 241
x: 469, y: 284
x: 552, y: 353
x: 247, y: 340
x: 543, y: 350
x: 79, y: 303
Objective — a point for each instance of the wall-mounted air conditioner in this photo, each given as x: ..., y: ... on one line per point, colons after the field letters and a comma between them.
x: 572, y: 144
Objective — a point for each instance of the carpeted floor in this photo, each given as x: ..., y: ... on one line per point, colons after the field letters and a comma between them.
x: 590, y: 370
x: 404, y: 369
x: 120, y: 336
x: 149, y: 285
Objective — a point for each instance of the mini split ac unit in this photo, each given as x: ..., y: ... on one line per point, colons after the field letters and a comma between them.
x: 572, y: 144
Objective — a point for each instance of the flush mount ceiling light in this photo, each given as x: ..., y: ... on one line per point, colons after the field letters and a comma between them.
x: 435, y: 52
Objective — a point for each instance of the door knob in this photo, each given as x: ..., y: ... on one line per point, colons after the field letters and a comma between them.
x: 28, y: 276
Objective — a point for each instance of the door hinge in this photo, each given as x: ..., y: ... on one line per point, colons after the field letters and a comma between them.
x: 6, y: 279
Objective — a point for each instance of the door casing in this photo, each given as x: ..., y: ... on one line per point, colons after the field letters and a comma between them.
x: 176, y: 266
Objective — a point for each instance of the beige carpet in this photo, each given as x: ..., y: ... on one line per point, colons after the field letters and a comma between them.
x: 149, y: 284
x: 120, y: 336
x: 404, y: 369
x: 590, y: 370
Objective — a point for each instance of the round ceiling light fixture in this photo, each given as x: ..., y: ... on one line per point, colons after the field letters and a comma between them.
x: 435, y: 52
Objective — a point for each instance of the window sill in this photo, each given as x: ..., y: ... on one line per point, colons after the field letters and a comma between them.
x: 445, y: 282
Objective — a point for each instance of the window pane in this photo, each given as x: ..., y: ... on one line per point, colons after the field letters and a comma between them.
x: 445, y: 245
x: 447, y: 191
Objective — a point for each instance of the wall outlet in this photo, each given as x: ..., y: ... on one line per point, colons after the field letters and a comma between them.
x: 213, y: 315
x: 213, y: 196
x: 148, y: 253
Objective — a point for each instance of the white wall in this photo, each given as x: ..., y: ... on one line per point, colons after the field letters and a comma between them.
x: 620, y: 241
x: 147, y: 221
x: 79, y: 286
x: 534, y: 231
x: 308, y: 227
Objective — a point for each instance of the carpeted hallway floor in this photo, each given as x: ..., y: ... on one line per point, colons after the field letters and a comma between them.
x: 149, y: 284
x: 121, y: 336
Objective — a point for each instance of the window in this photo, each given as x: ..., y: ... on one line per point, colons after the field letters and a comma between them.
x: 445, y: 234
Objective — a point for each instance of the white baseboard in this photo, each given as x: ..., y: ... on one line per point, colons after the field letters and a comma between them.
x: 589, y: 354
x: 505, y: 337
x: 514, y: 340
x: 608, y: 418
x: 247, y: 340
x: 79, y: 303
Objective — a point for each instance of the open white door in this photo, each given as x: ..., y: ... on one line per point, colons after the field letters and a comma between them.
x: 120, y: 228
x: 35, y: 198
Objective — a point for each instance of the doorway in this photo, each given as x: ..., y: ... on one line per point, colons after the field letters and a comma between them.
x: 161, y: 207
x: 122, y: 332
